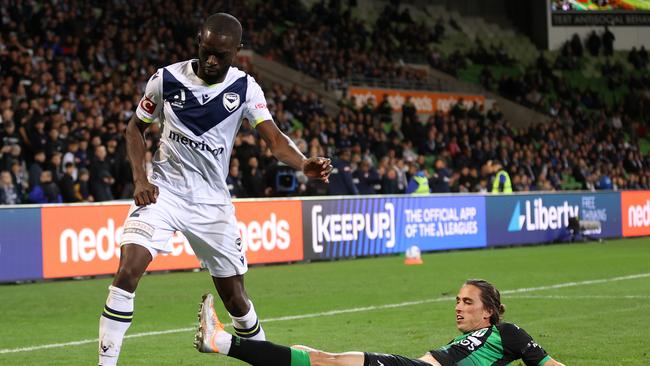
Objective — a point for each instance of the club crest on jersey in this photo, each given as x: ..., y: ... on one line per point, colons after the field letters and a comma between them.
x: 178, y: 100
x: 231, y: 101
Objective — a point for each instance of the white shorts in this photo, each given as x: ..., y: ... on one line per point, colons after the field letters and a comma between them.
x: 210, y: 229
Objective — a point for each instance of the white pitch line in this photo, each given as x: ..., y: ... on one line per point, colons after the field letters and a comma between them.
x: 580, y: 283
x: 334, y: 312
x: 578, y: 297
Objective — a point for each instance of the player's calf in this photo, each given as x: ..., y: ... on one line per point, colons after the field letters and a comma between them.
x: 240, y: 308
x: 113, y: 324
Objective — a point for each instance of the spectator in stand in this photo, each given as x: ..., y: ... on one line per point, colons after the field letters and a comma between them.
x: 82, y: 187
x: 101, y: 179
x: 9, y: 136
x: 20, y: 176
x: 37, y: 137
x: 253, y: 178
x: 8, y: 155
x: 341, y: 179
x: 114, y: 158
x: 419, y: 180
x: 55, y: 166
x: 389, y: 183
x: 37, y: 167
x: 608, y: 42
x: 501, y: 182
x: 234, y: 181
x: 67, y: 184
x: 10, y: 193
x: 441, y: 180
x: 71, y: 157
x: 366, y: 178
x: 466, y: 182
x: 409, y: 111
x: 593, y: 44
x: 46, y: 191
x: 385, y: 110
x: 576, y: 45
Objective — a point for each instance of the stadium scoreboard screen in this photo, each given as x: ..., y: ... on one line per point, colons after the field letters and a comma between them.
x: 600, y: 12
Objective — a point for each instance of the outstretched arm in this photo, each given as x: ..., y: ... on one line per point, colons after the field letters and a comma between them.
x: 287, y: 152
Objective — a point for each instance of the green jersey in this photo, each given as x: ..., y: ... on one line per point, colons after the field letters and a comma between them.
x: 497, y: 345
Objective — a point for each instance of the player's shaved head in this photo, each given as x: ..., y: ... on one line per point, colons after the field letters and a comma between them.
x: 222, y: 25
x: 219, y: 42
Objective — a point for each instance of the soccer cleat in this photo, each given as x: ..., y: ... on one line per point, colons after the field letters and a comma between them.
x: 209, y: 326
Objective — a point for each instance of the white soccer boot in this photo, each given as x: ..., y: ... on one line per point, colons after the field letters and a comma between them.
x: 209, y: 327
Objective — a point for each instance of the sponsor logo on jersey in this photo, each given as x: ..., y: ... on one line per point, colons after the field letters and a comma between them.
x: 147, y: 105
x: 350, y: 226
x: 230, y: 101
x: 536, y: 216
x: 196, y: 145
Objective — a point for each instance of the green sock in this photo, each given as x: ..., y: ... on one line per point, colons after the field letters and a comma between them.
x: 299, y: 358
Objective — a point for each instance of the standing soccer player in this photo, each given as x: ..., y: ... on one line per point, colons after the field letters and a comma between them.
x: 201, y: 104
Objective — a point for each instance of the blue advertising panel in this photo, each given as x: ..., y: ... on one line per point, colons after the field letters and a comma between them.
x: 340, y: 228
x: 20, y: 244
x: 542, y: 218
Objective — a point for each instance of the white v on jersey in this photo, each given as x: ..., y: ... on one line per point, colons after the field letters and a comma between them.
x: 199, y: 125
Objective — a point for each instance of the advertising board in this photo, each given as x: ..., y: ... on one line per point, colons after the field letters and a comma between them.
x: 84, y: 240
x: 342, y: 228
x: 542, y: 218
x: 635, y: 212
x: 425, y: 102
x: 20, y: 244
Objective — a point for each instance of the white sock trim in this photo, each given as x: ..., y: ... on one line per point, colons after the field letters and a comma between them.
x: 119, y: 291
x: 244, y: 318
x: 248, y: 326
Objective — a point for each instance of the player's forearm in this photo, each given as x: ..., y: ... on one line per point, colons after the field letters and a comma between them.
x: 136, y: 149
x: 287, y: 152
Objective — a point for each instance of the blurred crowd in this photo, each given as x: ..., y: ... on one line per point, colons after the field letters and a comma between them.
x: 72, y: 73
x: 549, y: 83
x: 571, y: 152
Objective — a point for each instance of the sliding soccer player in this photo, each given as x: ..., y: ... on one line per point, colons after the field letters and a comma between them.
x: 485, y: 340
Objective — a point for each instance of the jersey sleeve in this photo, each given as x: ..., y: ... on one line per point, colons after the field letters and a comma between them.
x: 256, y: 110
x: 521, y: 345
x: 151, y: 103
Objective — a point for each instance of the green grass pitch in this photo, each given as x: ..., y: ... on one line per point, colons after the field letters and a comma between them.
x: 580, y: 322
